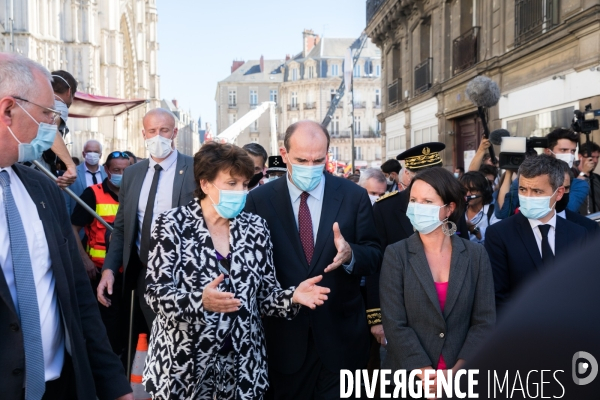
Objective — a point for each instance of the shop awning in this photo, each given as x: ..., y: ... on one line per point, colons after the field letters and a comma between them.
x: 90, y: 106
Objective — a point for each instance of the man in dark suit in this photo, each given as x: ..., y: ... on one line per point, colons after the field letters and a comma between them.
x: 53, y: 344
x: 152, y: 186
x: 393, y: 225
x: 524, y: 244
x: 319, y: 224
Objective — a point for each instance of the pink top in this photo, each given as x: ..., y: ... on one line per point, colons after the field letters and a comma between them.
x: 442, y: 292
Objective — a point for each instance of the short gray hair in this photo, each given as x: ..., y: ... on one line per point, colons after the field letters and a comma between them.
x: 92, y: 141
x: 17, y: 75
x: 371, y: 173
x: 544, y: 165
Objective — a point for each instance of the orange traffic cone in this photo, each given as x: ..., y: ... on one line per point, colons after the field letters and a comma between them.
x: 139, y: 392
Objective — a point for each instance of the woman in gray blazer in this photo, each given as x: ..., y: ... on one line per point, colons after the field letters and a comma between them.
x: 436, y: 289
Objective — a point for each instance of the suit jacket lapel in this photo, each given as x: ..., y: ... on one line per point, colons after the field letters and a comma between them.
x: 419, y: 263
x: 459, y: 264
x: 133, y: 194
x: 281, y: 202
x: 178, y: 182
x: 561, y: 238
x: 330, y: 205
x: 528, y: 238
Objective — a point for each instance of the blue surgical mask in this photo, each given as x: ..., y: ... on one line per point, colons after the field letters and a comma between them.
x: 535, y: 207
x: 231, y: 202
x: 59, y: 105
x: 116, y: 179
x: 306, y: 177
x: 43, y: 141
x: 425, y: 218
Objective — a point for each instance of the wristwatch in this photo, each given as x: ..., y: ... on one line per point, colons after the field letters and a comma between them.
x: 583, y: 174
x: 476, y: 230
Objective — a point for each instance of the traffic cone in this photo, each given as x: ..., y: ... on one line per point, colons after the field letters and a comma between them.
x: 139, y: 392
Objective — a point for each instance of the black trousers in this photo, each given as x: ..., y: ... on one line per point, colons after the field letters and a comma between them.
x: 112, y: 316
x: 62, y: 388
x: 312, y: 382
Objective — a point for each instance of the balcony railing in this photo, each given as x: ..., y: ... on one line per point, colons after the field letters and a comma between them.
x: 339, y: 104
x: 372, y: 7
x: 465, y: 50
x: 359, y: 135
x: 232, y: 105
x: 360, y: 104
x: 394, y: 92
x: 423, y: 76
x: 310, y: 106
x: 534, y: 17
x: 376, y: 104
x: 292, y: 107
x: 253, y: 105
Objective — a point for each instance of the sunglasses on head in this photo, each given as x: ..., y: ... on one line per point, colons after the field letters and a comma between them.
x: 117, y: 154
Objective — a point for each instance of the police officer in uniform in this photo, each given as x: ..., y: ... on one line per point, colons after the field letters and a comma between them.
x: 276, y: 168
x: 393, y: 225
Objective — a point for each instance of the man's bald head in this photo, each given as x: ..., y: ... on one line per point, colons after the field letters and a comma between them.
x: 159, y: 114
x: 309, y: 130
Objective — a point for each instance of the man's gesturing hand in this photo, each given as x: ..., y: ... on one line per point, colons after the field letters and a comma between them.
x: 216, y: 301
x: 344, y: 254
x: 309, y: 294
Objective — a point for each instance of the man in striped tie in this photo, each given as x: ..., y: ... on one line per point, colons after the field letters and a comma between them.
x: 55, y: 346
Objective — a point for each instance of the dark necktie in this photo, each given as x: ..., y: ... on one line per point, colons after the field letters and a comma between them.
x: 94, y: 180
x: 305, y: 228
x: 28, y: 310
x: 147, y: 223
x: 547, y: 254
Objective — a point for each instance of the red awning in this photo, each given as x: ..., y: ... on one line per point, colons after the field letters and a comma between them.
x: 89, y: 106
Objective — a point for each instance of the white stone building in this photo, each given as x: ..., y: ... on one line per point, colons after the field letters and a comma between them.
x: 109, y: 46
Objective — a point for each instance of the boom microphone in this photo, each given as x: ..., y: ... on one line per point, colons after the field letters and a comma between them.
x: 483, y: 92
x: 497, y: 135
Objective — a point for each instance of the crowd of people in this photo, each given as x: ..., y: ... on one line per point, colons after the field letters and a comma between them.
x: 256, y: 276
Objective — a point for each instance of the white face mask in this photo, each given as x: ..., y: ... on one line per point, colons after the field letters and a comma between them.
x: 373, y: 198
x: 92, y: 158
x: 60, y: 105
x: 566, y: 157
x: 159, y: 147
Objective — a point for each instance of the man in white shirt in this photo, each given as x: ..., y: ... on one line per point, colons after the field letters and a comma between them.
x: 56, y: 345
x: 525, y: 243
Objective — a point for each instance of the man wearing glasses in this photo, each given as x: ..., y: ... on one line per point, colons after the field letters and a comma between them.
x: 104, y: 199
x: 54, y: 344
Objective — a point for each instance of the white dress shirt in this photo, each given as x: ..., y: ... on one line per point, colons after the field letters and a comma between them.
x: 480, y: 220
x: 164, y: 193
x: 53, y: 342
x: 89, y: 180
x: 315, y: 205
x: 535, y: 223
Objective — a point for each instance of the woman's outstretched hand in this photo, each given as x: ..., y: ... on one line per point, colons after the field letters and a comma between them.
x: 216, y: 301
x: 309, y: 294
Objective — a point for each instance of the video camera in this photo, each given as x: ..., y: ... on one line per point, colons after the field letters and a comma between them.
x: 513, y: 150
x: 586, y: 122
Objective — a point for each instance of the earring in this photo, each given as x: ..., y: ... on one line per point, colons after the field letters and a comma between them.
x: 449, y: 228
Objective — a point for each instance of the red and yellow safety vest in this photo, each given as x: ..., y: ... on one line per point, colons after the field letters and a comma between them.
x: 107, y: 208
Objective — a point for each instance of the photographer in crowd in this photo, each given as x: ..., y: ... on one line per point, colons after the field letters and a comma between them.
x: 588, y: 161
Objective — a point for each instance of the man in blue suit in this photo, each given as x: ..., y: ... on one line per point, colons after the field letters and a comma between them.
x: 526, y: 243
x: 88, y: 172
x: 320, y: 225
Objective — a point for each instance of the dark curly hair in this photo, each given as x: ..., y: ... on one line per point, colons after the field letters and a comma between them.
x: 214, y: 157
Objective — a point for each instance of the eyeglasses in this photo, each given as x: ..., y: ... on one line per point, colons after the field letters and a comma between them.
x: 55, y: 114
x: 117, y: 154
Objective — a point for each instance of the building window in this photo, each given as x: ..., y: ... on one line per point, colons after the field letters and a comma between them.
x: 294, y: 99
x: 232, y: 119
x: 377, y: 97
x: 424, y: 135
x: 232, y: 97
x: 311, y: 72
x: 295, y: 74
x: 254, y: 126
x: 357, y: 126
x: 334, y: 70
x: 253, y: 97
x: 357, y: 71
x: 378, y: 153
x: 334, y: 127
x: 541, y: 122
x: 273, y: 95
x: 335, y: 153
x: 333, y: 94
x: 358, y: 153
x: 378, y: 70
x: 254, y: 139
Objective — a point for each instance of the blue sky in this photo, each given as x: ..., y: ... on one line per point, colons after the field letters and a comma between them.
x: 199, y: 39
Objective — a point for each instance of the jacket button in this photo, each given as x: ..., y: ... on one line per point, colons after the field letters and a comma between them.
x: 17, y: 371
x: 442, y: 335
x: 14, y: 327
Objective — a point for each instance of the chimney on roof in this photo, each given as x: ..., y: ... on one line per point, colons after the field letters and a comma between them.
x: 309, y: 40
x: 262, y: 63
x: 287, y: 57
x: 236, y: 65
x: 175, y: 103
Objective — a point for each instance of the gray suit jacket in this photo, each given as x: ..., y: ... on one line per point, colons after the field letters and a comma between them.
x: 415, y: 328
x: 126, y: 227
x: 80, y: 184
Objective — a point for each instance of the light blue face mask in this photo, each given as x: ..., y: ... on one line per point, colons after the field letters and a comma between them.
x: 231, y: 202
x: 43, y: 141
x: 425, y: 218
x: 306, y: 177
x: 59, y: 105
x: 535, y: 207
x: 116, y: 179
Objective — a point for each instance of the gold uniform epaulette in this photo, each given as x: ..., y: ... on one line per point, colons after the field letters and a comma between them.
x: 387, y: 195
x: 374, y: 316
